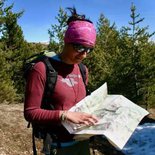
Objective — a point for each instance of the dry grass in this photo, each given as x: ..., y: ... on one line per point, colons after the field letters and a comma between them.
x: 16, y: 137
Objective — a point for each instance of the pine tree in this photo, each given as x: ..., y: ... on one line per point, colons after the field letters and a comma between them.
x: 56, y: 32
x: 12, y: 34
x: 130, y: 72
x: 14, y: 43
x: 7, y: 89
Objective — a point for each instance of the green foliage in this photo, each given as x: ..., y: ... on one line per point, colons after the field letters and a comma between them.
x: 12, y: 38
x: 148, y: 88
x: 16, y: 49
x: 7, y: 90
x: 131, y: 73
x: 12, y: 34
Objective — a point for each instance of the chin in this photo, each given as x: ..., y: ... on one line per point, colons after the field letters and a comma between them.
x: 78, y: 60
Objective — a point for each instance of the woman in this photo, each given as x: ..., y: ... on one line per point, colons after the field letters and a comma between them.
x: 79, y: 40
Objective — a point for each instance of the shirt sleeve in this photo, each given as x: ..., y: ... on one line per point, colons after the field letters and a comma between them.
x: 33, y: 98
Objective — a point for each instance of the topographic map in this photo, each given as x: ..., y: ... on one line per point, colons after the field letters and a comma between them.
x: 118, y: 117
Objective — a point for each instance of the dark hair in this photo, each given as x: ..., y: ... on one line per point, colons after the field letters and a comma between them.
x: 74, y: 16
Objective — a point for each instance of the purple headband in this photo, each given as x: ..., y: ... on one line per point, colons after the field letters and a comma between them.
x: 81, y: 32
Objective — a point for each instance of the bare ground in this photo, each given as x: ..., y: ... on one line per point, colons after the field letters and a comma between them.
x: 15, y: 137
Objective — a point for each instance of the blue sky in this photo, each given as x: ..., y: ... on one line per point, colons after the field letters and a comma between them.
x: 40, y: 14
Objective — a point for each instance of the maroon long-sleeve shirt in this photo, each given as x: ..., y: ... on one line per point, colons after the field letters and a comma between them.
x: 69, y: 90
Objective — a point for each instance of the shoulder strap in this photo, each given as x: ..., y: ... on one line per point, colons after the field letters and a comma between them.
x: 83, y: 73
x: 51, y: 78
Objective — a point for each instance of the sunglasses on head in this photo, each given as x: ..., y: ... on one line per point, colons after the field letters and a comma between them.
x: 80, y: 48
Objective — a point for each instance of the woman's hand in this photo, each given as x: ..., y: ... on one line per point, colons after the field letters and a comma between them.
x: 81, y: 118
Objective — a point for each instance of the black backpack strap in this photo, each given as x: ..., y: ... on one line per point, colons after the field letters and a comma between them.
x: 51, y: 78
x: 33, y: 140
x: 83, y: 73
x: 33, y: 143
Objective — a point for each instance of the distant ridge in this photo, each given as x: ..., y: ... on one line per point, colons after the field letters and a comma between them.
x: 41, y: 42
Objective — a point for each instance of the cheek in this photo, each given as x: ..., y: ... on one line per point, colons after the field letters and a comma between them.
x: 74, y: 55
x: 70, y: 55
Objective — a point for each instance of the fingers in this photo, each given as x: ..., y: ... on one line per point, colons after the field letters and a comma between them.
x: 88, y: 119
x: 81, y: 118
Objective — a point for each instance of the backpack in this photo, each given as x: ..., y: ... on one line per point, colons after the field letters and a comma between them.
x: 39, y: 131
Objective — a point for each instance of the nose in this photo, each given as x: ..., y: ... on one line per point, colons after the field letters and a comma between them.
x: 83, y: 54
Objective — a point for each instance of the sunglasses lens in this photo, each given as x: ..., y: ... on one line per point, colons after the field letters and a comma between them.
x: 89, y: 50
x: 81, y: 49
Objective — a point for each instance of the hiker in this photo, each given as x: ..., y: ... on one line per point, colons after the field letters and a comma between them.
x: 79, y: 41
